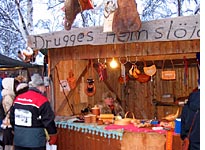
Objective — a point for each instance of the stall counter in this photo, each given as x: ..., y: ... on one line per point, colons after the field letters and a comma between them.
x: 81, y: 136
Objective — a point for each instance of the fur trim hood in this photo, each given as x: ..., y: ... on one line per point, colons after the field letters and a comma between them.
x: 8, y: 87
x: 8, y: 83
x: 21, y: 86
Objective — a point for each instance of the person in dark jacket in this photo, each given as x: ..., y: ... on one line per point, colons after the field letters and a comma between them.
x: 30, y: 115
x: 188, y: 114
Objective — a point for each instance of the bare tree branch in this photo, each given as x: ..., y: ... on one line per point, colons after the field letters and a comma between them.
x: 11, y: 20
x: 22, y: 18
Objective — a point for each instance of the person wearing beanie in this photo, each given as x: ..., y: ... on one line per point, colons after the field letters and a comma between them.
x: 31, y: 114
x: 36, y: 81
x: 8, y: 95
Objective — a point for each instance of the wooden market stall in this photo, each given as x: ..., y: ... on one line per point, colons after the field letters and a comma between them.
x: 169, y: 44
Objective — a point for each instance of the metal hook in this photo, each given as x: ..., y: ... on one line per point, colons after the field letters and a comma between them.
x: 121, y: 61
x: 135, y: 61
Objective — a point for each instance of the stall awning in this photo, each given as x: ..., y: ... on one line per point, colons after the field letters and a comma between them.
x: 7, y: 62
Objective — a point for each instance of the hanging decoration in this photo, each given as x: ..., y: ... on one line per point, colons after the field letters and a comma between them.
x: 168, y: 74
x: 126, y: 18
x: 64, y: 86
x: 123, y: 78
x: 102, y: 70
x: 134, y: 71
x: 71, y: 79
x: 150, y: 71
x: 27, y: 55
x: 109, y: 10
x: 90, y: 88
x: 85, y: 4
x: 142, y: 77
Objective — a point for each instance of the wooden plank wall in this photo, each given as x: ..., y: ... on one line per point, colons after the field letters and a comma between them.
x: 139, y: 50
x: 140, y: 96
x: 135, y: 97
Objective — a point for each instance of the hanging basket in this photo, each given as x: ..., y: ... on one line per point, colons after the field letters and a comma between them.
x: 125, y: 121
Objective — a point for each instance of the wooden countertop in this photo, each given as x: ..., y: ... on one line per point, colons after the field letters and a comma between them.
x: 74, y: 140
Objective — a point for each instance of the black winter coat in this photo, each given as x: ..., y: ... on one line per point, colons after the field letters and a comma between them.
x: 188, y: 113
x: 30, y: 115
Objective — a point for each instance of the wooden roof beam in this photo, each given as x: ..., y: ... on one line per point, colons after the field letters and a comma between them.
x: 162, y: 57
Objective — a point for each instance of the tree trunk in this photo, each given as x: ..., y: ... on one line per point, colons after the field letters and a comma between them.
x: 22, y: 23
x: 179, y: 7
x: 30, y: 16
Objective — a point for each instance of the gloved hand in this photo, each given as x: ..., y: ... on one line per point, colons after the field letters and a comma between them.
x: 53, y: 139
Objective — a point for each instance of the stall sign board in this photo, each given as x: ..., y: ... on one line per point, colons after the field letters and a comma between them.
x: 171, y: 29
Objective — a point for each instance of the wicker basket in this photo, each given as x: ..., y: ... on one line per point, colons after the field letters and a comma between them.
x: 125, y: 121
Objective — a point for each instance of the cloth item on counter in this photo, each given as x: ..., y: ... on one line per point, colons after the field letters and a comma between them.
x: 132, y: 128
x: 92, y: 129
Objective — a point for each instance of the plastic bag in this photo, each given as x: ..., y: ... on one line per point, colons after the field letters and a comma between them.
x: 51, y: 147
